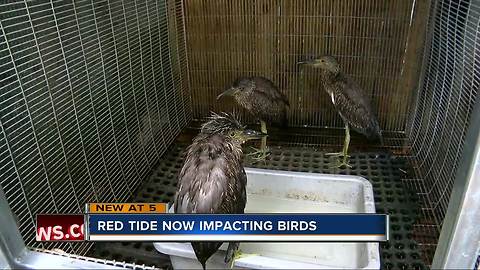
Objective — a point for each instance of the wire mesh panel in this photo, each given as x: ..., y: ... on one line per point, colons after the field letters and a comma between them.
x: 447, y: 94
x: 227, y: 39
x: 91, y: 95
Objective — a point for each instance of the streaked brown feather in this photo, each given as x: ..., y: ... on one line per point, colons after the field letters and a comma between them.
x: 212, y: 179
x: 262, y: 98
x: 352, y: 103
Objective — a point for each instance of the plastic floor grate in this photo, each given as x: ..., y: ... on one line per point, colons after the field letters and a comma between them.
x: 383, y: 170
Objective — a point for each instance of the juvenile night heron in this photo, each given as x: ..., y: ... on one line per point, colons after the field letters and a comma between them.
x: 350, y: 102
x: 213, y: 180
x: 261, y: 98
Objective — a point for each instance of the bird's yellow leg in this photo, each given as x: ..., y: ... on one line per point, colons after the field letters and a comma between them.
x: 346, y: 142
x: 263, y: 152
x: 237, y: 254
x: 264, y: 147
x: 263, y: 127
x: 344, y: 153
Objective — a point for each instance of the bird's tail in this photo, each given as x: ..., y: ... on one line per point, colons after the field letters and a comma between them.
x: 380, y: 136
x: 374, y: 132
x: 205, y: 250
x: 379, y: 133
x: 232, y: 247
x: 284, y: 120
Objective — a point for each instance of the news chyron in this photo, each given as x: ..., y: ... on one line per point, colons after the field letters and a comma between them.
x: 60, y: 227
x: 153, y: 222
x: 73, y: 227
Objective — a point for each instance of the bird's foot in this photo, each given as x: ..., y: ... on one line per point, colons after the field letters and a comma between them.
x: 259, y: 154
x: 337, y: 154
x: 338, y: 163
x: 237, y: 254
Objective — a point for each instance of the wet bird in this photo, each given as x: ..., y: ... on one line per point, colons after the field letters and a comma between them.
x: 261, y: 98
x: 213, y: 180
x: 350, y: 102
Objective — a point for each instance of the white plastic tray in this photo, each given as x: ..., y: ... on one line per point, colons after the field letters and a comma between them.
x: 272, y: 191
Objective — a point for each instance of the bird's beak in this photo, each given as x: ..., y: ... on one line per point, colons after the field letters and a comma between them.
x: 251, y: 134
x: 306, y: 63
x: 228, y: 92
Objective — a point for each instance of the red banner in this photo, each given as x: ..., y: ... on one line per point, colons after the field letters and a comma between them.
x: 51, y: 227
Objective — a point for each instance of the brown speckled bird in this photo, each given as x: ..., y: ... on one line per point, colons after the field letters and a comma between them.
x: 213, y: 180
x: 349, y: 100
x: 261, y: 98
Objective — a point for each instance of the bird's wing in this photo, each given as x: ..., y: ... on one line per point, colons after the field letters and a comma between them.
x: 206, y: 182
x: 266, y: 109
x: 356, y: 93
x: 266, y: 87
x: 242, y: 200
x: 352, y: 104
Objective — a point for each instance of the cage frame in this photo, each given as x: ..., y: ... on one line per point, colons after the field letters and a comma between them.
x: 460, y: 232
x: 15, y: 254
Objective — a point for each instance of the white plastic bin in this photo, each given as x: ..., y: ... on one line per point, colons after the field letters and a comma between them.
x: 272, y: 191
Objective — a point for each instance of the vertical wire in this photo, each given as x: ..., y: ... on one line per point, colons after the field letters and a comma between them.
x: 29, y: 117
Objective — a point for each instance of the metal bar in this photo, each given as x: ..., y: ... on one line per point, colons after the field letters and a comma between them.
x: 40, y: 260
x: 460, y: 237
x: 11, y: 243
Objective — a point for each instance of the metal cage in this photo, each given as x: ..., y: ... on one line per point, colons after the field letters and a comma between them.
x: 93, y: 92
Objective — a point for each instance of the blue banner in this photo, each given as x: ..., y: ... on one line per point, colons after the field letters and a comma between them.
x: 246, y: 227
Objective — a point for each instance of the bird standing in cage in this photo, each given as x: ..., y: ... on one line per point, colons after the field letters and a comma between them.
x: 350, y: 102
x: 213, y: 180
x: 261, y: 98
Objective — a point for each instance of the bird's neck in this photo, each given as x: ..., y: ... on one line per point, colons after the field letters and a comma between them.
x: 328, y: 77
x: 215, y: 144
x: 245, y: 99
